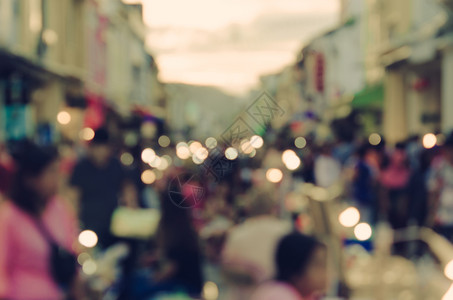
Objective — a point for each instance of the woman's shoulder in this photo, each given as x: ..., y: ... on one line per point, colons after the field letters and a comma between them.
x: 8, y: 211
x: 61, y: 206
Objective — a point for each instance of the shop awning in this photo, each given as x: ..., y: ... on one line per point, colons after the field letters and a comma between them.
x: 372, y: 96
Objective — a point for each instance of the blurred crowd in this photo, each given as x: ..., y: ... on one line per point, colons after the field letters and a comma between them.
x: 78, y: 223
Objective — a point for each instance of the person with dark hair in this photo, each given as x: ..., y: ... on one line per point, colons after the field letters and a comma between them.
x: 179, y: 245
x: 363, y: 184
x: 301, y: 263
x: 178, y: 266
x: 97, y: 183
x: 32, y: 221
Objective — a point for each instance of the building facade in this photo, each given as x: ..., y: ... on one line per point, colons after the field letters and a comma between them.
x: 85, y: 57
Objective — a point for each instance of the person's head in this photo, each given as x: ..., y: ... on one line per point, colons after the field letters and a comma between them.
x: 448, y: 148
x: 302, y: 262
x: 175, y: 203
x: 100, y: 150
x: 261, y: 202
x: 36, y: 179
x: 362, y: 151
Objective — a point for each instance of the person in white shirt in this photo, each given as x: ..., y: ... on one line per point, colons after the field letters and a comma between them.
x: 327, y: 168
x: 250, y: 246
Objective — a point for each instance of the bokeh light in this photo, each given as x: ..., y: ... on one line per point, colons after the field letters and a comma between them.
x: 363, y: 231
x: 88, y: 238
x: 148, y: 177
x: 182, y: 144
x: 148, y: 155
x: 287, y: 154
x: 274, y: 175
x: 89, y: 267
x: 448, y: 270
x: 429, y: 140
x: 63, y: 117
x: 197, y: 160
x: 87, y: 134
x: 211, y: 143
x: 131, y: 139
x: 300, y: 142
x: 127, y: 159
x: 231, y: 153
x: 449, y: 294
x: 256, y: 141
x: 83, y: 257
x: 163, y: 164
x: 247, y: 147
x: 293, y: 163
x: 290, y: 159
x: 156, y: 162
x: 164, y: 141
x: 194, y: 146
x: 349, y: 217
x: 202, y: 153
x: 210, y: 291
x: 375, y: 139
x: 168, y: 159
x: 183, y: 151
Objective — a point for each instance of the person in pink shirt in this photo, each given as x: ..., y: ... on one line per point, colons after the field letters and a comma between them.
x: 25, y: 272
x: 301, y: 263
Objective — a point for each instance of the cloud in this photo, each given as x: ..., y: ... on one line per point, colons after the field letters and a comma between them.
x: 262, y: 37
x: 267, y: 32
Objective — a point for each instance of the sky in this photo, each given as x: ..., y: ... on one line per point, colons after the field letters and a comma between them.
x: 230, y: 43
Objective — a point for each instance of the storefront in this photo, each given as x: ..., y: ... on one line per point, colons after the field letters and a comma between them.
x: 30, y: 99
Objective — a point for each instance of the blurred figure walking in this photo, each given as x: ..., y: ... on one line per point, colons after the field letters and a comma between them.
x: 301, y: 263
x: 97, y: 184
x: 176, y: 258
x: 26, y: 251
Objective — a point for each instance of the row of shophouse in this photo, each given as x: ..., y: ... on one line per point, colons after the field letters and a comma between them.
x: 86, y: 58
x: 388, y: 67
